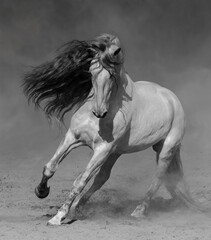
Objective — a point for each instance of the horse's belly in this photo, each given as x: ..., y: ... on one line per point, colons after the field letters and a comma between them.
x: 133, y: 148
x: 142, y: 139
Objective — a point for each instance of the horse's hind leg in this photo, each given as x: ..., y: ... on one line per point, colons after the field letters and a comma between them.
x: 174, y: 174
x: 165, y: 160
x: 101, y: 177
x: 176, y: 184
x: 66, y: 145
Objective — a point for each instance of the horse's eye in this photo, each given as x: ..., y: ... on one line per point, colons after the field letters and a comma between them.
x: 117, y: 51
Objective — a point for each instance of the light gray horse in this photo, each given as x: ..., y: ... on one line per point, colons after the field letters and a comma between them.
x: 112, y: 115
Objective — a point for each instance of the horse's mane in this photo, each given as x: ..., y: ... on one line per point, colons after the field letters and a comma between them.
x: 65, y: 82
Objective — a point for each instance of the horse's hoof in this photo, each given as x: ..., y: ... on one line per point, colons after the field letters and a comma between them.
x: 52, y: 223
x: 139, y: 212
x: 42, y: 193
x: 55, y: 221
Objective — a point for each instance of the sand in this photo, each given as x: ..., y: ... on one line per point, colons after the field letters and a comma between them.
x: 107, y: 214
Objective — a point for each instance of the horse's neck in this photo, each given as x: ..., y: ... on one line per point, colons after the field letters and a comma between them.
x: 124, y: 91
x: 126, y: 86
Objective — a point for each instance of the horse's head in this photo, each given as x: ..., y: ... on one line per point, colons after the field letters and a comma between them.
x: 105, y: 70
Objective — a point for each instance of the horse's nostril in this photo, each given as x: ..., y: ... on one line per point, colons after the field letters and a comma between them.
x: 104, y: 114
x: 94, y: 114
x: 98, y: 115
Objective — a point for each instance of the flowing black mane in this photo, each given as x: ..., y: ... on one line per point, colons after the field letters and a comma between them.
x: 65, y: 82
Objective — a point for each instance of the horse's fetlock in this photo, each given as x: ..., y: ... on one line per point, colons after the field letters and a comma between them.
x: 48, y: 172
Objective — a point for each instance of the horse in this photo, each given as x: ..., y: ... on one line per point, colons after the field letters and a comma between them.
x: 112, y: 115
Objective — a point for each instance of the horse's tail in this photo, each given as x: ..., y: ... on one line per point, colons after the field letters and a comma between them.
x: 177, y: 182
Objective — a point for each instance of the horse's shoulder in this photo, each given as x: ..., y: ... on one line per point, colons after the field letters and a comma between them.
x: 83, y: 125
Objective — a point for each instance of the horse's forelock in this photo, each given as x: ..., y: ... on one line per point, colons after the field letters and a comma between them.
x: 102, y: 44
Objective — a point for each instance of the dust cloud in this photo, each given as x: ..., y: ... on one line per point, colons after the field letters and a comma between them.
x: 167, y: 42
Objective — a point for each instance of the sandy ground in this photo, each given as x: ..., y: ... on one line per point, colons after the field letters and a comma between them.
x: 107, y: 215
x: 163, y: 42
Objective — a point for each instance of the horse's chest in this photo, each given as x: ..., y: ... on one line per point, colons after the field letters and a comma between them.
x: 91, y: 130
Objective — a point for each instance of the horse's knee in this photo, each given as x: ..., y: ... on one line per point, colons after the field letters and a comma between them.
x: 76, y: 182
x: 79, y: 184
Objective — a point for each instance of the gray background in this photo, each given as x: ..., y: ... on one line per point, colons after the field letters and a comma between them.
x: 167, y: 42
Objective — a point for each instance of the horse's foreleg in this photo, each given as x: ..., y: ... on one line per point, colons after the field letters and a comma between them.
x: 67, y: 144
x: 100, y: 156
x: 101, y: 177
